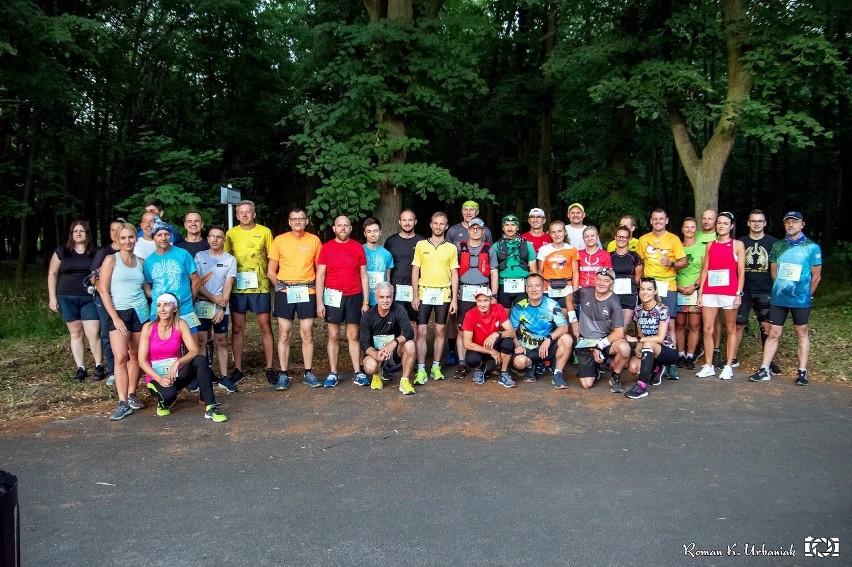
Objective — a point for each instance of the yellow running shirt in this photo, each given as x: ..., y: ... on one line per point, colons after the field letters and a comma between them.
x: 652, y: 249
x: 436, y: 264
x: 250, y: 248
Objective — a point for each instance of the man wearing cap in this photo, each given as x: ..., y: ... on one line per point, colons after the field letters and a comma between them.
x: 541, y: 333
x: 434, y: 282
x: 515, y: 259
x: 249, y: 243
x: 401, y: 247
x: 574, y: 229
x: 536, y: 234
x: 194, y: 241
x: 386, y: 334
x: 172, y: 270
x: 487, y: 334
x: 292, y: 265
x: 663, y: 255
x: 796, y: 265
x: 476, y: 269
x: 601, y: 323
x: 459, y: 232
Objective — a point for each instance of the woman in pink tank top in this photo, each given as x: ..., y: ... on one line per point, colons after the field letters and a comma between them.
x: 721, y: 287
x: 166, y: 371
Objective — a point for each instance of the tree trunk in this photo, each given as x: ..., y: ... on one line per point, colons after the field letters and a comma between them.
x: 546, y: 135
x: 705, y: 173
x: 23, y: 245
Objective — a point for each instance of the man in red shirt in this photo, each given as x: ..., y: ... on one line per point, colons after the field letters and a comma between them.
x: 536, y: 235
x: 342, y: 296
x: 487, y: 334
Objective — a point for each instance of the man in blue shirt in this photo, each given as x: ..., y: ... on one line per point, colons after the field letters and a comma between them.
x: 172, y: 270
x: 796, y: 266
x: 379, y: 260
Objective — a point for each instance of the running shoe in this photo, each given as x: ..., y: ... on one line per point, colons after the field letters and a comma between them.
x: 283, y: 381
x: 163, y: 410
x: 538, y: 369
x: 689, y: 363
x: 735, y: 363
x: 558, y: 380
x: 435, y: 373
x: 529, y: 374
x: 802, y: 378
x: 212, y: 412
x: 99, y: 373
x: 452, y: 358
x: 360, y: 379
x: 110, y: 381
x: 505, y: 380
x: 479, y: 376
x: 121, y: 411
x: 227, y: 384
x: 311, y: 380
x: 717, y: 357
x: 331, y: 381
x: 460, y: 372
x: 615, y: 384
x: 193, y: 387
x: 134, y: 402
x: 681, y: 362
x: 376, y: 383
x: 657, y: 375
x: 672, y: 373
x: 236, y: 376
x: 81, y: 374
x: 761, y: 375
x: 405, y: 387
x: 706, y: 371
x: 389, y: 370
x: 421, y: 377
x: 727, y: 373
x: 639, y: 390
x: 271, y: 376
x: 774, y: 369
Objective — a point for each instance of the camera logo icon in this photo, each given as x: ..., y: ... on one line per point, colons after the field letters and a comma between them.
x: 822, y: 547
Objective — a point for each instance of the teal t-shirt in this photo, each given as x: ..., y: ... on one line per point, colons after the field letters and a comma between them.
x: 792, y: 286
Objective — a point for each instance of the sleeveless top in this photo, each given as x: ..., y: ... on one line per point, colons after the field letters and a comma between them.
x: 162, y: 349
x: 721, y: 269
x: 125, y: 288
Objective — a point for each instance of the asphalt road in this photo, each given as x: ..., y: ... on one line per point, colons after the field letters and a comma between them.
x: 455, y: 475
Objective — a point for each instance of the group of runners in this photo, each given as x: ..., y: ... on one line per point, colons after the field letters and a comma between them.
x: 523, y: 302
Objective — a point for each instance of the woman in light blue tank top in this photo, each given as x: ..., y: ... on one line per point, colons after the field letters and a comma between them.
x: 125, y: 296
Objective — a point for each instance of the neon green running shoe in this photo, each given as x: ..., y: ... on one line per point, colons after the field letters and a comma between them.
x: 405, y: 387
x: 376, y: 383
x: 436, y: 374
x: 162, y: 410
x: 212, y: 412
x: 420, y: 378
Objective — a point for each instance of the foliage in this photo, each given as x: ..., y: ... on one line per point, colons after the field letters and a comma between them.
x: 607, y: 197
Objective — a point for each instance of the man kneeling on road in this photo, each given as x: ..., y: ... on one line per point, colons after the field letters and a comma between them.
x: 386, y: 334
x: 541, y: 333
x: 487, y: 333
x: 600, y: 331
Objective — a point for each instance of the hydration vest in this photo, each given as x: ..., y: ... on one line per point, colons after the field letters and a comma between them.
x: 522, y: 256
x: 482, y: 261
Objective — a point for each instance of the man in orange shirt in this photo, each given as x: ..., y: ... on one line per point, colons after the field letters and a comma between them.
x: 292, y: 269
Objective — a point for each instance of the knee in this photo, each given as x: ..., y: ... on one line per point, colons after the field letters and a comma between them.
x: 422, y: 331
x: 408, y: 348
x: 284, y: 336
x: 802, y: 332
x: 307, y: 335
x: 371, y: 365
x: 238, y: 327
x: 333, y: 334
x: 440, y: 331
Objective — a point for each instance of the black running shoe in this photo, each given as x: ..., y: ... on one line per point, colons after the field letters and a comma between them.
x: 761, y: 375
x: 689, y: 363
x: 681, y: 362
x: 99, y: 373
x: 657, y: 375
x: 717, y: 358
x: 802, y: 378
x: 615, y: 384
x: 236, y: 375
x: 773, y: 368
x: 81, y: 374
x: 271, y: 376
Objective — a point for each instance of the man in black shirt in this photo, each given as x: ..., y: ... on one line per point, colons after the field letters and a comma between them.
x: 386, y: 334
x: 194, y: 241
x: 401, y: 246
x: 758, y: 281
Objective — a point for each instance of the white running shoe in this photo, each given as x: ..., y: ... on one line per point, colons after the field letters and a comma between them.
x: 706, y: 371
x: 727, y: 373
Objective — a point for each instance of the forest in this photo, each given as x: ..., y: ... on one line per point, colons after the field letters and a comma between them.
x: 365, y: 108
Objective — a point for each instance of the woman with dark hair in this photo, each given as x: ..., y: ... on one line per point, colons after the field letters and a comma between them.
x: 125, y: 294
x: 628, y: 268
x: 166, y: 371
x: 653, y: 348
x: 68, y: 291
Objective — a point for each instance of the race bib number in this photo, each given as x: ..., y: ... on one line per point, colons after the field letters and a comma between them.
x: 191, y: 319
x: 564, y: 292
x: 298, y: 294
x: 687, y: 299
x: 375, y: 277
x: 332, y: 297
x: 662, y: 288
x: 587, y: 343
x: 513, y: 285
x: 468, y: 293
x: 789, y: 272
x: 161, y: 367
x: 379, y: 341
x: 404, y: 293
x: 718, y: 278
x: 433, y: 295
x: 205, y: 309
x: 621, y: 286
x: 246, y: 280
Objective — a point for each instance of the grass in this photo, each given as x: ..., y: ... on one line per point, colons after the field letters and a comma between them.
x: 36, y: 363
